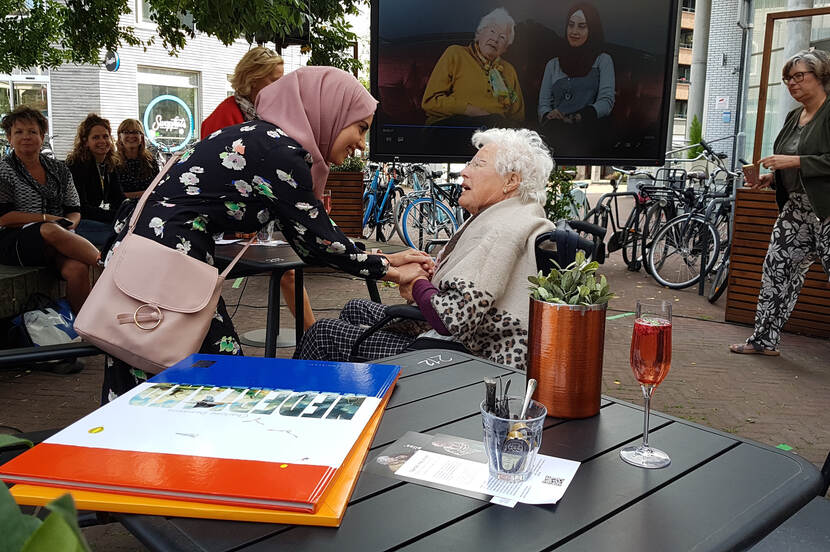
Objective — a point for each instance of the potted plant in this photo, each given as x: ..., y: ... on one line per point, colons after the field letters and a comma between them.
x: 346, y: 185
x: 567, y: 337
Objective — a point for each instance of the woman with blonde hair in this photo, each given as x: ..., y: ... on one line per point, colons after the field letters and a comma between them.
x: 93, y: 163
x: 138, y: 166
x: 258, y: 68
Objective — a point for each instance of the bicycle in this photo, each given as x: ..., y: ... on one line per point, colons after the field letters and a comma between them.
x: 686, y: 249
x: 427, y: 220
x: 379, y: 198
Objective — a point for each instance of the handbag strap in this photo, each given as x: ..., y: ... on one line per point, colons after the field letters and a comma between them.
x: 141, y: 202
x: 137, y: 211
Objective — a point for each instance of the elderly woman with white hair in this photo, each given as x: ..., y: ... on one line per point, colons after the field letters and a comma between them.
x: 477, y: 295
x: 472, y: 84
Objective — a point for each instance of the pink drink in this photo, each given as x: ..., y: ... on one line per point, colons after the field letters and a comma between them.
x: 327, y: 203
x: 651, y: 349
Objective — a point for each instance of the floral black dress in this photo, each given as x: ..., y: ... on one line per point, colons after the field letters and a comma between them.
x: 237, y: 180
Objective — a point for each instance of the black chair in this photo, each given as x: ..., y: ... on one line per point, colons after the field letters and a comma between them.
x: 558, y: 245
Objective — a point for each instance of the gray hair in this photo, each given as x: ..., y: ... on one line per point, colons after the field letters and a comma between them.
x: 817, y: 61
x: 499, y: 17
x: 523, y: 152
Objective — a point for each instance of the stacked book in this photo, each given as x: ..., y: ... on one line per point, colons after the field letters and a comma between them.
x: 220, y: 437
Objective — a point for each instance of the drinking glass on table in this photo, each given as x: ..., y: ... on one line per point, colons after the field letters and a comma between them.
x: 327, y: 201
x: 650, y: 361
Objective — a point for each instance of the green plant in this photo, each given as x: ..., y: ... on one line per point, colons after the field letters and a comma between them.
x: 24, y: 533
x: 557, y: 205
x: 695, y: 134
x: 576, y: 284
x: 354, y: 163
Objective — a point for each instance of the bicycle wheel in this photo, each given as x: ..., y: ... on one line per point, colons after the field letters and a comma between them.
x: 368, y: 216
x: 676, y: 252
x: 425, y: 221
x: 721, y: 278
x: 632, y: 239
x: 386, y: 224
x: 656, y: 217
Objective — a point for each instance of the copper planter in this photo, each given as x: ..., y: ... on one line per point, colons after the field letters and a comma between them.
x: 565, y: 357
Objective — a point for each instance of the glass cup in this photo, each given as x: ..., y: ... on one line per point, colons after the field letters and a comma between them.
x: 650, y: 360
x: 512, y: 444
x: 266, y: 233
x: 327, y: 201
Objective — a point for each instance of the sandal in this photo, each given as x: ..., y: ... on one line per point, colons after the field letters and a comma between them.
x: 747, y: 349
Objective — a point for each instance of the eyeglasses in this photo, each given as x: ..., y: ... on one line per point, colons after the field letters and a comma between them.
x: 130, y: 132
x: 796, y: 77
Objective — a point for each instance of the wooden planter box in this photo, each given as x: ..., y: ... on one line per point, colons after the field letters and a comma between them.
x: 347, y: 201
x: 755, y: 214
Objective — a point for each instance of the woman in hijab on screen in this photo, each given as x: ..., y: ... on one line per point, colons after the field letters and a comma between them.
x: 577, y: 89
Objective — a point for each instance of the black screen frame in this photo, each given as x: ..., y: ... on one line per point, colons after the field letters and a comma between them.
x: 665, y: 108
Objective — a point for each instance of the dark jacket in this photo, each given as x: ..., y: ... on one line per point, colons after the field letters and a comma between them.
x: 92, y: 193
x: 814, y: 150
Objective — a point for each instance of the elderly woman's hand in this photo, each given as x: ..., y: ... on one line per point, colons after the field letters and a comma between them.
x: 778, y: 162
x: 405, y: 289
x: 764, y: 181
x: 405, y: 273
x: 474, y: 111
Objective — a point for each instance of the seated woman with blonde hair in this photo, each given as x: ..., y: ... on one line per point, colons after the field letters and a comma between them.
x: 477, y: 295
x: 138, y: 166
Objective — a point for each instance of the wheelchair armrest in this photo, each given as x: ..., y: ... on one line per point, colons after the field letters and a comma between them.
x: 409, y: 312
x: 587, y: 227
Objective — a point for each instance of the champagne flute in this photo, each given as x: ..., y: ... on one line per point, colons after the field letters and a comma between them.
x: 327, y: 201
x: 650, y: 361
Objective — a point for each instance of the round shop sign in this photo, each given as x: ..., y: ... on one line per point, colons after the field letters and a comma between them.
x: 168, y: 123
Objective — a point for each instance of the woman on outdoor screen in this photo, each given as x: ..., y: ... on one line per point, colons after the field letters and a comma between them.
x: 578, y: 84
x: 473, y: 85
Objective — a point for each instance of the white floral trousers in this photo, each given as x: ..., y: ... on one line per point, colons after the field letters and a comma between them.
x: 798, y: 239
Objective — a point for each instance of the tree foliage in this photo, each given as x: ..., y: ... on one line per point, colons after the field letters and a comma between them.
x: 49, y: 33
x: 695, y: 134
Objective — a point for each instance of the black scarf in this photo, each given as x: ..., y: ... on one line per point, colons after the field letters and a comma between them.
x: 577, y: 62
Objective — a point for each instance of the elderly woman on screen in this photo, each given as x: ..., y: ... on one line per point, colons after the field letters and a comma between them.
x: 477, y: 295
x: 473, y: 85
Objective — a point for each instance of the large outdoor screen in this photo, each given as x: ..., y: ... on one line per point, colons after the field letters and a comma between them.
x: 592, y: 77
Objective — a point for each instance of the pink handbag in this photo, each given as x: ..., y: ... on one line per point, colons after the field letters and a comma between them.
x: 152, y: 305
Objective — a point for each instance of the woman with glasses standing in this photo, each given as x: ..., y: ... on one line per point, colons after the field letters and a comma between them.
x: 138, y: 167
x: 801, y: 178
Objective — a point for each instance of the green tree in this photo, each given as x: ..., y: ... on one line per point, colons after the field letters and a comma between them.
x: 49, y: 33
x: 695, y: 134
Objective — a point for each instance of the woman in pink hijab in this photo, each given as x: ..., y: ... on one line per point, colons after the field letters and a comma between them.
x: 274, y: 168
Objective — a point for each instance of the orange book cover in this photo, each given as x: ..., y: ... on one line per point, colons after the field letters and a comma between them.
x: 329, y: 512
x: 236, y: 431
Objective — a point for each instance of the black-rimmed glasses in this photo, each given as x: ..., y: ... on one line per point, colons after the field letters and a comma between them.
x: 131, y: 132
x: 796, y: 77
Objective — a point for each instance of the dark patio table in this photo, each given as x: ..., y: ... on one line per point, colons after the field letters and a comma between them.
x: 275, y: 260
x: 720, y: 492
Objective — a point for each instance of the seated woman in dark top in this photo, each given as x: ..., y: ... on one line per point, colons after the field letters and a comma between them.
x: 242, y: 177
x: 93, y: 163
x: 36, y: 197
x: 137, y: 166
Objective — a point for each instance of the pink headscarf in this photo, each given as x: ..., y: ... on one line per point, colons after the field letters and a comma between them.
x: 313, y: 105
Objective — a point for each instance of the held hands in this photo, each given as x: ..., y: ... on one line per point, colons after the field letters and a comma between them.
x: 405, y: 288
x: 778, y: 162
x: 412, y: 256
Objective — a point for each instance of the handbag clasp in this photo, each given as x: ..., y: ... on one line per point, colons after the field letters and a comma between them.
x: 159, y: 316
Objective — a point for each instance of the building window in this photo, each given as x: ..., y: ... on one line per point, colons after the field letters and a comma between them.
x: 168, y: 106
x: 31, y: 91
x: 680, y: 109
x: 683, y: 73
x: 686, y: 38
x: 688, y: 5
x: 143, y: 9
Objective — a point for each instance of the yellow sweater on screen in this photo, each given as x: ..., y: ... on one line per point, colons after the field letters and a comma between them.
x: 458, y: 79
